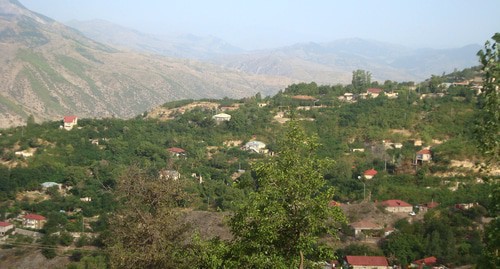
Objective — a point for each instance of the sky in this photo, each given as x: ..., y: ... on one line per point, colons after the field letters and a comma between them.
x: 260, y: 24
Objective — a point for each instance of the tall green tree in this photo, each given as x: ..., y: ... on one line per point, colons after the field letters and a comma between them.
x: 278, y: 225
x: 489, y: 123
x: 361, y: 80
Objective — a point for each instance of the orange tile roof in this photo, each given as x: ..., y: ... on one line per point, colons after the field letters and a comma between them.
x: 370, y: 172
x: 367, y: 260
x: 395, y: 203
x: 34, y: 217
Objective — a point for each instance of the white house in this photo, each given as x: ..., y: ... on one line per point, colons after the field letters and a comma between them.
x: 424, y: 155
x: 5, y: 227
x: 33, y: 221
x: 255, y: 146
x: 70, y: 122
x: 374, y: 92
x: 221, y: 117
x: 50, y: 184
x: 369, y: 174
x: 397, y: 206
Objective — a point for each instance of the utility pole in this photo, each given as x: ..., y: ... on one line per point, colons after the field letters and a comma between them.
x: 364, y: 188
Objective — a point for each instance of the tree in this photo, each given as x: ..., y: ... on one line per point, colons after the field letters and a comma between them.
x: 279, y: 223
x: 146, y: 230
x: 361, y: 80
x: 489, y: 122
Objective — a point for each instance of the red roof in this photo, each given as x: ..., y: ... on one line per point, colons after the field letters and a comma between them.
x: 34, y: 217
x: 431, y: 204
x: 367, y: 260
x: 374, y: 90
x: 69, y: 119
x: 395, y: 203
x: 424, y: 151
x: 371, y: 172
x: 427, y: 261
x: 176, y: 150
x: 4, y: 224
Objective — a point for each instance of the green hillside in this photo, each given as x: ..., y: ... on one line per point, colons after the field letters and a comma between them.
x: 217, y: 172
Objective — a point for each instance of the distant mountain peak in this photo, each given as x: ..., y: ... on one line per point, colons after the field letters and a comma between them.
x: 13, y: 9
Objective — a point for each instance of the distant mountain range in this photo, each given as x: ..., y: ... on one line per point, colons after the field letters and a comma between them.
x: 179, y: 46
x: 327, y: 63
x: 50, y: 70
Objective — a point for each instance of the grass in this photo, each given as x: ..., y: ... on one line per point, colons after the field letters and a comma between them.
x: 78, y: 68
x: 12, y: 106
x: 40, y: 63
x: 41, y: 89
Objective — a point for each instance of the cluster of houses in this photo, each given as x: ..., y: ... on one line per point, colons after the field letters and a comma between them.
x: 370, y: 93
x: 372, y: 231
x: 31, y: 221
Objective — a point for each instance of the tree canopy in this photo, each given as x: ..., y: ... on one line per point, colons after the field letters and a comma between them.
x: 280, y: 222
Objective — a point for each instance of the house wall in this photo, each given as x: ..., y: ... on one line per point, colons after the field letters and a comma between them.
x: 399, y: 209
x: 368, y: 267
x: 5, y: 229
x: 33, y: 224
x: 423, y: 157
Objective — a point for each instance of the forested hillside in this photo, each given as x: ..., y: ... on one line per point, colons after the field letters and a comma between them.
x: 104, y: 169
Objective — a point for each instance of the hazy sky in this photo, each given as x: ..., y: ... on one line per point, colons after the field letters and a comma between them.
x: 255, y: 24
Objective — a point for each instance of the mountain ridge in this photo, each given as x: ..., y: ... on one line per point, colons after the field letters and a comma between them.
x: 50, y: 70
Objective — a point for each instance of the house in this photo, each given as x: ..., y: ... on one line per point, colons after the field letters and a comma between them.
x: 358, y: 150
x: 369, y: 174
x: 398, y: 145
x: 177, y: 152
x: 425, y: 207
x: 429, y: 261
x: 5, y: 227
x: 397, y: 206
x: 424, y: 155
x: 169, y: 174
x: 392, y: 95
x: 304, y: 98
x: 346, y: 97
x: 367, y: 262
x: 24, y: 153
x: 417, y: 143
x: 373, y: 92
x: 69, y: 122
x: 33, y: 221
x: 465, y: 206
x: 388, y: 231
x: 365, y: 225
x: 50, y: 184
x: 255, y: 146
x: 221, y: 117
x: 86, y: 199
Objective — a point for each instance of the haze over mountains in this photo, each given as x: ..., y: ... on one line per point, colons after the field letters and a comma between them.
x: 327, y: 63
x: 50, y: 70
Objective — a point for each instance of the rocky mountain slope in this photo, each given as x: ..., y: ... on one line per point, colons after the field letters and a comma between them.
x: 49, y: 70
